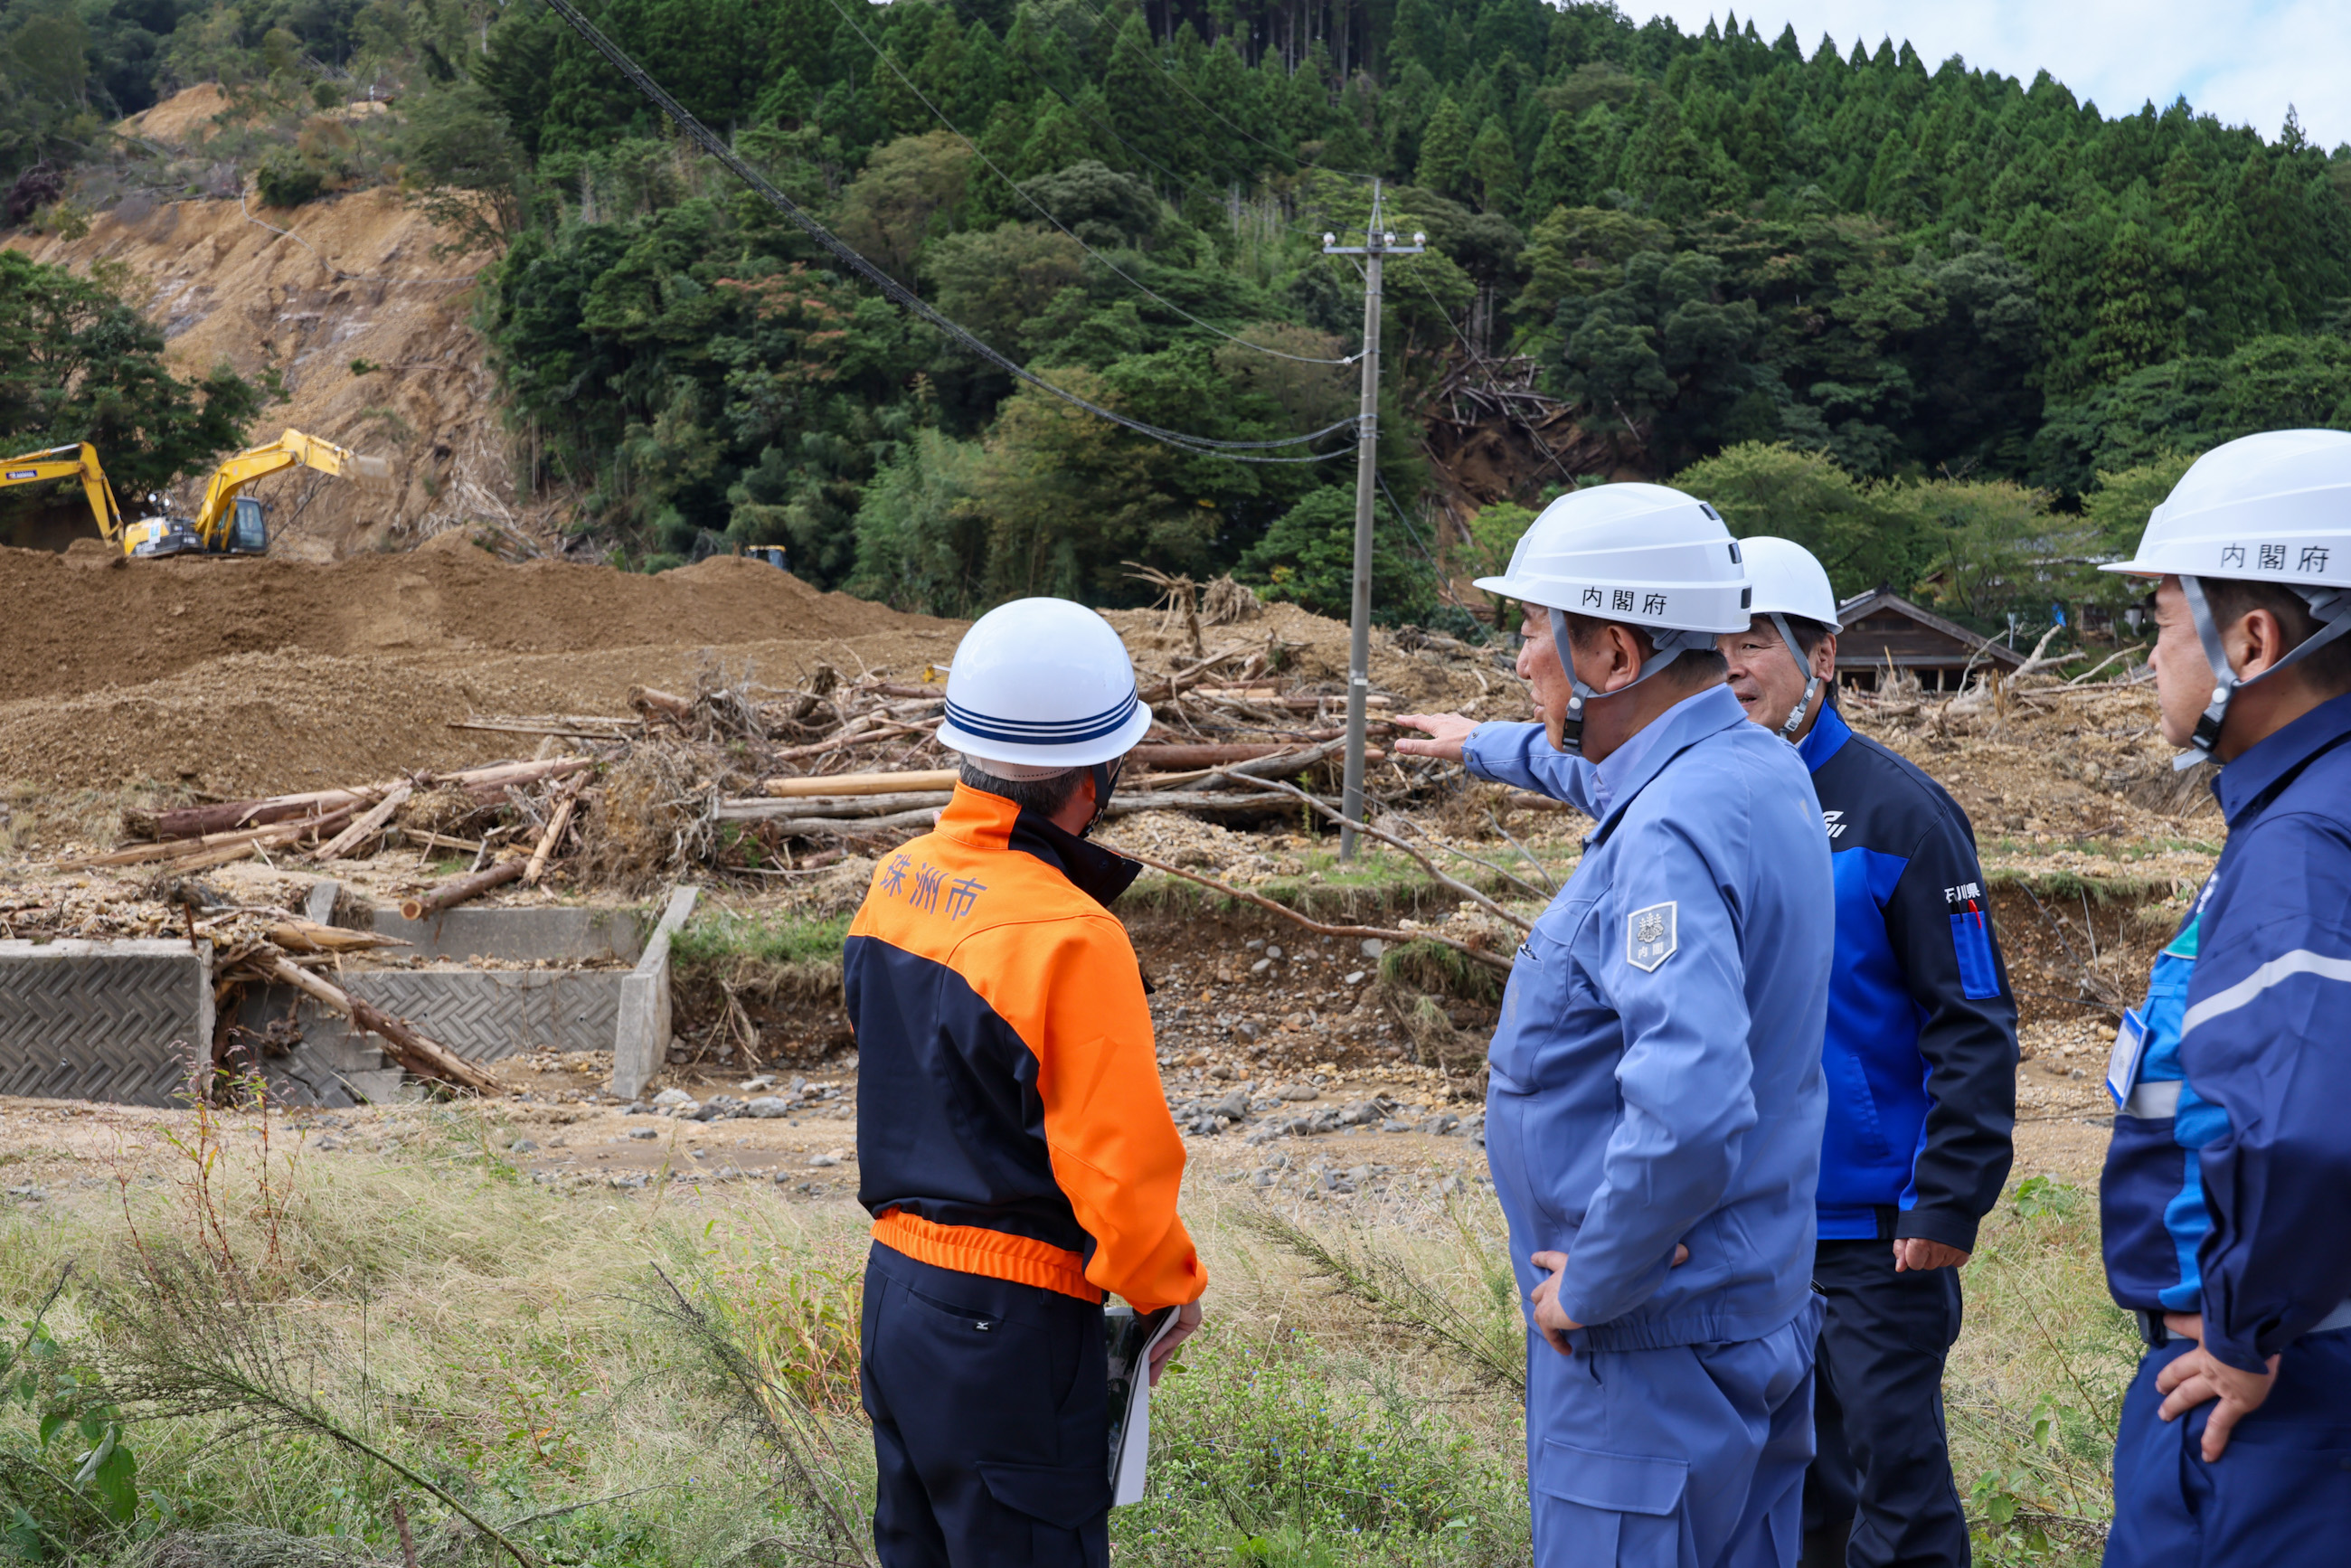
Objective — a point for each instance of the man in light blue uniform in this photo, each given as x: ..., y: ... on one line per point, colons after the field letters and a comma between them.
x: 1655, y: 1102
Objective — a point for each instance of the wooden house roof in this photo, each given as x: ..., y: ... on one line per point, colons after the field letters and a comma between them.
x: 1881, y: 627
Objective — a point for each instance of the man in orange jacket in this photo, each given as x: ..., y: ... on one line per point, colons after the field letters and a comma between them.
x: 1013, y: 1143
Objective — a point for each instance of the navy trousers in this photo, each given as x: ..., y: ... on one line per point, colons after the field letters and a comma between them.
x: 1879, y: 1492
x: 991, y: 1420
x: 2279, y: 1498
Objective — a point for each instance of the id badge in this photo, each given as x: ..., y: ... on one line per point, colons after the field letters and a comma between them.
x: 2122, y: 1062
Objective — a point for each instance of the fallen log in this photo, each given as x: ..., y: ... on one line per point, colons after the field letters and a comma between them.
x: 1527, y: 801
x: 439, y: 841
x: 552, y: 837
x: 788, y: 789
x: 425, y: 1057
x: 857, y: 737
x: 215, y: 848
x: 863, y: 814
x: 753, y: 809
x: 1296, y: 704
x: 310, y: 937
x: 649, y: 701
x: 1183, y: 758
x: 451, y: 894
x: 839, y: 827
x: 368, y: 826
x: 195, y: 822
x: 1194, y: 800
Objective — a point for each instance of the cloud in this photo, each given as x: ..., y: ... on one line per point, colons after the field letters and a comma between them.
x: 2245, y: 63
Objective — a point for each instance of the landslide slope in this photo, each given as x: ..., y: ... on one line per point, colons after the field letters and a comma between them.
x: 353, y: 282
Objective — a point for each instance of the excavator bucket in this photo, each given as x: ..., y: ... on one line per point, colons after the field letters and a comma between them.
x: 374, y: 473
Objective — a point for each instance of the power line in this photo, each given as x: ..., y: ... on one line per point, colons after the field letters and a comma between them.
x: 898, y: 293
x: 896, y: 70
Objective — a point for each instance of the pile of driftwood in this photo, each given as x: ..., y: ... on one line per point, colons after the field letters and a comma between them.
x: 326, y: 825
x: 757, y: 778
x: 737, y: 776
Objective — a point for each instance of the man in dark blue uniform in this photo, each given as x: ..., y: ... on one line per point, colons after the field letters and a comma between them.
x: 2226, y: 1197
x: 1921, y: 1062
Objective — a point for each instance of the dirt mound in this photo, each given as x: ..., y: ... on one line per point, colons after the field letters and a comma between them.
x: 81, y: 625
x: 190, y: 115
x: 265, y: 722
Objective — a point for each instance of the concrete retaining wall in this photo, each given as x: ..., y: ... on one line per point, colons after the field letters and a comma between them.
x: 118, y: 1021
x: 562, y: 934
x: 121, y: 1021
x: 642, y: 1042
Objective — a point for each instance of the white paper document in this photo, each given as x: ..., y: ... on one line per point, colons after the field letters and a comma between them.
x: 1130, y: 1337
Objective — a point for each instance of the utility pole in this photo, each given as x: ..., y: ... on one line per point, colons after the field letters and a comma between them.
x: 1377, y: 245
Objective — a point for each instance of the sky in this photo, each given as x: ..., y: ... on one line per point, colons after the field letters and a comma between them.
x: 2242, y: 60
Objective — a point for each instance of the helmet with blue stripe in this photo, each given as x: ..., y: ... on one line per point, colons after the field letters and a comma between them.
x: 1042, y: 686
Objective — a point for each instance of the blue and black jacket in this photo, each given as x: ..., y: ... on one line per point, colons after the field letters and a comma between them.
x: 2228, y: 1183
x: 1921, y: 1048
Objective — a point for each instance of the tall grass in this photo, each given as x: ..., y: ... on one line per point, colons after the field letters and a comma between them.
x: 669, y: 1378
x: 301, y: 1341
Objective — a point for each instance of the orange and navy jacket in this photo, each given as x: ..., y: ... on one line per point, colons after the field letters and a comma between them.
x: 1009, y: 1117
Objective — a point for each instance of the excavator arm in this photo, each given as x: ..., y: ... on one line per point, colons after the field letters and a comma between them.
x: 257, y: 462
x: 78, y: 462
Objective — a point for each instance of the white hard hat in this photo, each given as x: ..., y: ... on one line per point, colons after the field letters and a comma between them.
x: 1042, y: 685
x: 1789, y: 579
x: 1643, y: 554
x: 2272, y: 507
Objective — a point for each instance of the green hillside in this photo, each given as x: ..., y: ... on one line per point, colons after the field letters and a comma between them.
x: 1702, y: 242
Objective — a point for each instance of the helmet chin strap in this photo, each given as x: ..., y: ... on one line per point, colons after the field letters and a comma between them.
x: 2332, y: 606
x: 1671, y: 642
x: 1105, y: 777
x: 1811, y: 681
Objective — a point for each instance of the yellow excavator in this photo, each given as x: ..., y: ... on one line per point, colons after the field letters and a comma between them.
x: 78, y: 462
x: 231, y: 522
x: 228, y: 523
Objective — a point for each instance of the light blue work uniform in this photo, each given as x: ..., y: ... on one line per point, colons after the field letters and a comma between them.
x: 1657, y: 1079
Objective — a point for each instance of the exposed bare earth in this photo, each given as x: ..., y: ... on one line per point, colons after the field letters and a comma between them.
x: 236, y: 677
x: 225, y: 289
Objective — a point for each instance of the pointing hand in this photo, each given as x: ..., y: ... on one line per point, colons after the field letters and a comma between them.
x: 1448, y: 731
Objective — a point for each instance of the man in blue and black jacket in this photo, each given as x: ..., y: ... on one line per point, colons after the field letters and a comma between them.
x: 2227, y: 1197
x: 1921, y: 1062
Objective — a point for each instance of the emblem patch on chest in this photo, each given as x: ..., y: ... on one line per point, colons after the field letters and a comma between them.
x: 1652, y: 935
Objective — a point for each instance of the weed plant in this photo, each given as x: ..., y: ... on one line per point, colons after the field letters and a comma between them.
x: 2035, y: 1385
x: 244, y: 1354
x: 1278, y: 1451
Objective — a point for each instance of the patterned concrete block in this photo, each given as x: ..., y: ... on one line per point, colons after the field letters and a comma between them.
x: 559, y: 932
x: 485, y: 1015
x: 320, y: 1060
x: 115, y: 1021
